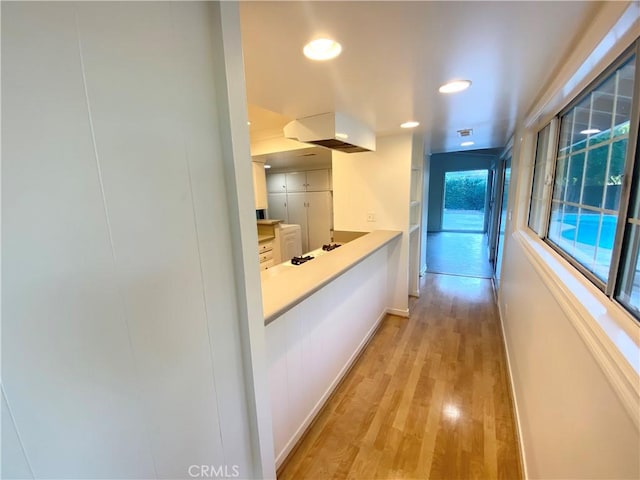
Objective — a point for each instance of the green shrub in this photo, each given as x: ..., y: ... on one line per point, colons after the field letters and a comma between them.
x: 465, y: 193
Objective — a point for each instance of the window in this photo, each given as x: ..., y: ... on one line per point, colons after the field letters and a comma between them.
x: 537, y: 213
x: 582, y: 183
x: 589, y: 169
x: 629, y: 288
x: 465, y: 194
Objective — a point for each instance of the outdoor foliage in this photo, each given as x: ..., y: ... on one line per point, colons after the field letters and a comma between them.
x: 465, y: 192
x: 590, y: 171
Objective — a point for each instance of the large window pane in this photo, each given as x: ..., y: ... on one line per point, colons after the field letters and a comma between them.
x: 574, y: 178
x: 465, y: 195
x: 604, y: 244
x: 586, y: 234
x: 560, y: 184
x: 614, y: 177
x: 602, y: 112
x: 589, y: 170
x: 566, y: 127
x: 595, y: 176
x: 555, y: 222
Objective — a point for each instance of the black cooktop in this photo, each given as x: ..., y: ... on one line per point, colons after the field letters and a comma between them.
x: 300, y: 260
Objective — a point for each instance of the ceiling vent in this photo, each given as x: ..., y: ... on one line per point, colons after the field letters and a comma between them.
x: 465, y: 132
x: 336, y: 131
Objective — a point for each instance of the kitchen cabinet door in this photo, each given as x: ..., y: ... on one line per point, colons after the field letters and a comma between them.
x: 297, y: 208
x: 318, y: 181
x: 276, y: 183
x: 319, y: 219
x: 259, y: 185
x: 278, y: 206
x: 296, y: 182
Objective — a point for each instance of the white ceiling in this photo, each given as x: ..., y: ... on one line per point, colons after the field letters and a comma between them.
x: 396, y: 54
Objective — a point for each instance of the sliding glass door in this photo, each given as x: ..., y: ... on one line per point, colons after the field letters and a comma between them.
x: 465, y: 198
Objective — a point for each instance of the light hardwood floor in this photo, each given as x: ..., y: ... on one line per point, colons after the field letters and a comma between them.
x: 428, y: 398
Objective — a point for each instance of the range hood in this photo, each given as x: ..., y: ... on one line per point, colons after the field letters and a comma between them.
x: 332, y: 130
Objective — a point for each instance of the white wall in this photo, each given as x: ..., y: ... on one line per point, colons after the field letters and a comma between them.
x: 378, y: 182
x: 121, y: 316
x: 573, y: 424
x: 576, y: 395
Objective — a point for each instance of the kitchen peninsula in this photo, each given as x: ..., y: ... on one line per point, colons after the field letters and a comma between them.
x: 318, y: 318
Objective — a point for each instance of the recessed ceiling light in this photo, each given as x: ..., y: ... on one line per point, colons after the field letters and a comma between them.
x: 411, y: 124
x: 322, y: 49
x: 455, y: 86
x: 267, y: 165
x: 248, y: 123
x: 589, y: 131
x: 466, y: 144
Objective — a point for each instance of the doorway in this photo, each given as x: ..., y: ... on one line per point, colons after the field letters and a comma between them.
x: 465, y: 201
x: 460, y: 247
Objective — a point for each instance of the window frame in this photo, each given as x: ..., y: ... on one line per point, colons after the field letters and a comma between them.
x: 628, y: 233
x: 630, y: 180
x: 549, y: 176
x: 633, y: 179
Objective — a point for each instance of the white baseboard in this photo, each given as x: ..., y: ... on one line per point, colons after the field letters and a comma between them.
x: 399, y: 312
x: 325, y: 396
x: 523, y: 455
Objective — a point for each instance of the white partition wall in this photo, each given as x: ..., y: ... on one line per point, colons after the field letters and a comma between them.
x: 123, y: 316
x: 312, y: 345
x: 371, y: 191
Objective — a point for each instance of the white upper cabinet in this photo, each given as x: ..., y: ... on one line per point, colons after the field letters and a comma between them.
x: 318, y: 181
x: 303, y: 198
x: 276, y: 183
x: 296, y: 182
x: 309, y: 181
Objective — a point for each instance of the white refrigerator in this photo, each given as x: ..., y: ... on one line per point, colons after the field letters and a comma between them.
x: 290, y: 242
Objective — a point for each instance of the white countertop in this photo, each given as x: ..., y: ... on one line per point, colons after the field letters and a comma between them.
x: 284, y: 286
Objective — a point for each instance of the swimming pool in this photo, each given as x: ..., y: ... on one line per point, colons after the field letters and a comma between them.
x: 587, y: 229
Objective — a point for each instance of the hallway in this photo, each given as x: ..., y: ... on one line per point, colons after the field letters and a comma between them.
x: 458, y: 253
x: 428, y: 398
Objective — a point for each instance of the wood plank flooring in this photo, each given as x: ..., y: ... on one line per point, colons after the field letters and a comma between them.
x: 428, y: 398
x: 443, y: 254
